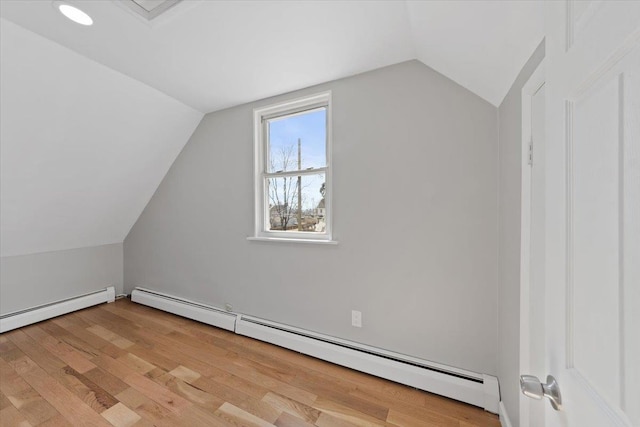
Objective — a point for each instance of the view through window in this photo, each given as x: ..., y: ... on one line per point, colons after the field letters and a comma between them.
x: 294, y: 188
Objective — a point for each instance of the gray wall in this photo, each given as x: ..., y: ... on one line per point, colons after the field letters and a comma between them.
x: 415, y: 198
x: 30, y: 280
x: 510, y: 129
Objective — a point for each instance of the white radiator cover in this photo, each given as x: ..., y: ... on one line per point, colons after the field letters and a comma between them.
x: 466, y: 386
x: 18, y: 319
x: 185, y: 308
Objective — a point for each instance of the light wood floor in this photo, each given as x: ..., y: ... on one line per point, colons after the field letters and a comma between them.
x: 124, y: 364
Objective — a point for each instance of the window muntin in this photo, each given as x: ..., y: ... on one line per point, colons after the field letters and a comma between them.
x: 293, y: 169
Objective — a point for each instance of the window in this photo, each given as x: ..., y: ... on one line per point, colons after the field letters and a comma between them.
x: 292, y: 170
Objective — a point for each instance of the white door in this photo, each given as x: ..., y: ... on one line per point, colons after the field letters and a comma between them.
x: 592, y: 247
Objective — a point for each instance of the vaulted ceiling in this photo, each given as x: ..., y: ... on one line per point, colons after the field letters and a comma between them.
x: 91, y: 118
x: 215, y: 54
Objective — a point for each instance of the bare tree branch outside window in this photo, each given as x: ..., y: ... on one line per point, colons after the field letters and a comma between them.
x: 283, y: 192
x: 286, y: 196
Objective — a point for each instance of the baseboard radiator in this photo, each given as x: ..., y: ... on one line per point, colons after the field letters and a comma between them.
x: 466, y: 386
x: 18, y: 319
x: 185, y: 308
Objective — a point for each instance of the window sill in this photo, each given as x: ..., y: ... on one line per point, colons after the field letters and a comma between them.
x: 291, y: 240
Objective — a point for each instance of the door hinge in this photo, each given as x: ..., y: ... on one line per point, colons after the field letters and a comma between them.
x: 530, y: 152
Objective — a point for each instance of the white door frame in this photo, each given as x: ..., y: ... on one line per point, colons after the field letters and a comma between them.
x: 533, y: 85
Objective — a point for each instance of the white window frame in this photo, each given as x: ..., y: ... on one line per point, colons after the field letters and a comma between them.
x: 260, y: 117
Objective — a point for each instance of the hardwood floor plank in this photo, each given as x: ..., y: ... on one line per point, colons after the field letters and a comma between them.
x: 110, y: 383
x: 136, y: 363
x: 57, y: 421
x: 77, y: 327
x: 253, y: 382
x: 34, y: 350
x: 132, y: 398
x: 144, y: 423
x: 188, y: 350
x: 238, y: 416
x: 327, y: 420
x: 154, y: 323
x: 88, y: 391
x: 121, y: 416
x: 68, y: 338
x: 148, y: 387
x: 12, y: 417
x: 221, y: 391
x: 196, y: 417
x: 4, y: 401
x: 63, y: 351
x: 157, y: 343
x: 65, y: 402
x: 154, y: 412
x: 250, y: 373
x: 427, y: 420
x: 292, y: 407
x: 112, y: 337
x: 340, y: 411
x: 316, y: 379
x: 91, y: 394
x: 260, y: 409
x: 247, y: 387
x: 121, y: 327
x: 432, y: 407
x: 189, y: 392
x: 23, y: 397
x: 154, y: 356
x: 238, y: 398
x: 185, y: 374
x: 288, y: 420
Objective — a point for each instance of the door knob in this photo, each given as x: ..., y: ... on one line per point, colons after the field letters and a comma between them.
x: 532, y: 387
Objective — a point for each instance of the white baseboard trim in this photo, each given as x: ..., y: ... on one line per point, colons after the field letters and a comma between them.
x: 470, y: 387
x: 504, y: 416
x: 185, y: 308
x: 18, y: 319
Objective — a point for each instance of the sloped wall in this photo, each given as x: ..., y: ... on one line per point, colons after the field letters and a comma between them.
x: 82, y: 149
x: 415, y: 195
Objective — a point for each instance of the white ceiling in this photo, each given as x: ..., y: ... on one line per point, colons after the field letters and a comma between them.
x: 82, y: 148
x: 91, y: 118
x: 481, y: 45
x: 215, y: 54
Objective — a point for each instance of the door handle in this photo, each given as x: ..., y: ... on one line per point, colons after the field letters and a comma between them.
x: 532, y: 387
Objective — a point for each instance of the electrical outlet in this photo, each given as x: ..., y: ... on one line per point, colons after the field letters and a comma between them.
x: 356, y: 318
x: 228, y: 307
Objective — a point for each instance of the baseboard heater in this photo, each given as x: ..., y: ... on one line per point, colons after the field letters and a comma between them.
x: 466, y: 386
x: 185, y: 308
x: 18, y: 319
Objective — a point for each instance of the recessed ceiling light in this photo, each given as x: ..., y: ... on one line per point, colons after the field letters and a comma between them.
x: 73, y: 13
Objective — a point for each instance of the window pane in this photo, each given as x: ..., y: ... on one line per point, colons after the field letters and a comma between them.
x: 298, y: 141
x: 286, y: 214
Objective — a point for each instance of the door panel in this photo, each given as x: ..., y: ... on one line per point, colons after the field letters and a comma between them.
x: 594, y: 305
x: 602, y: 235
